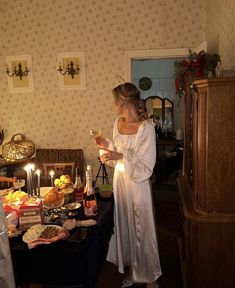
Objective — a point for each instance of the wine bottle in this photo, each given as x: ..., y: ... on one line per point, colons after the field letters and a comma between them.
x: 88, y: 170
x: 89, y: 202
x: 78, y: 187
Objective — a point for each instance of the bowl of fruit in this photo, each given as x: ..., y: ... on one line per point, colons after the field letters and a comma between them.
x: 65, y: 184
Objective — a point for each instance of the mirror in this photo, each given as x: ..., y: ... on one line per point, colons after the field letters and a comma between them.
x: 161, y: 111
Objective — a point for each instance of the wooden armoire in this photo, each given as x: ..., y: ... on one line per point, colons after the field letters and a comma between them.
x: 207, y: 185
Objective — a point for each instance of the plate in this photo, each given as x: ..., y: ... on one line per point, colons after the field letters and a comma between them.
x: 35, y: 231
x: 72, y: 206
x: 67, y: 190
x: 86, y: 223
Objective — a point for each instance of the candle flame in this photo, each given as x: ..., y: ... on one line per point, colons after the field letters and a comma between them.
x: 52, y: 173
x: 29, y: 167
x: 38, y: 172
x: 26, y: 168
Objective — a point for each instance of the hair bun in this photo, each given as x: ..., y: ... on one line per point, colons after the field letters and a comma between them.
x: 141, y: 109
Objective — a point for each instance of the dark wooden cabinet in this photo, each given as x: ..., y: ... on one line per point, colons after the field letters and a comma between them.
x: 207, y: 186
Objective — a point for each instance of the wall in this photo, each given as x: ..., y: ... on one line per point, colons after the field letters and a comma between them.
x: 220, y: 30
x: 103, y: 29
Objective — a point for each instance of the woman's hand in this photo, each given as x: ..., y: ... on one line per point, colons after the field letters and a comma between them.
x: 101, y: 142
x: 110, y: 155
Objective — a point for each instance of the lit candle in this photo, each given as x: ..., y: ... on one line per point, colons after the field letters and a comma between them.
x: 32, y: 184
x: 38, y: 173
x: 26, y: 168
x: 52, y: 173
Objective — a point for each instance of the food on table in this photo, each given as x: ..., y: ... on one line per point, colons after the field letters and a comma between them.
x: 53, y: 198
x: 63, y: 182
x: 15, y: 197
x: 12, y: 231
x: 33, y: 233
x: 49, y: 232
x: 57, y: 182
x: 44, y: 234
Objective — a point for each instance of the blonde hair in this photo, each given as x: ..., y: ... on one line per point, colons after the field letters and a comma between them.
x: 128, y: 93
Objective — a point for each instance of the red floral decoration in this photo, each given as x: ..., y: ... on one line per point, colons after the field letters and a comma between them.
x: 196, y: 66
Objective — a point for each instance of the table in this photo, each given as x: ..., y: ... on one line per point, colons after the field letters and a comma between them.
x: 66, y: 263
x: 163, y: 142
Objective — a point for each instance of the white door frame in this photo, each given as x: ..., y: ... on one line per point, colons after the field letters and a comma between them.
x: 130, y: 55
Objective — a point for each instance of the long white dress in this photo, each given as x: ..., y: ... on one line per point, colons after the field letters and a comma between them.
x: 134, y: 241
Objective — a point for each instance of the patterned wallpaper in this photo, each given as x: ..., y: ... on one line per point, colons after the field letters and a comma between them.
x: 103, y: 30
x: 220, y: 30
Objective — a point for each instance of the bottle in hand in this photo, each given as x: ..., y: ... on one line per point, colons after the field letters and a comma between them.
x: 78, y: 187
x: 90, y: 202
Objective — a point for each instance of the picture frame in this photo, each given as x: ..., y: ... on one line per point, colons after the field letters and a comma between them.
x: 66, y: 82
x: 15, y: 84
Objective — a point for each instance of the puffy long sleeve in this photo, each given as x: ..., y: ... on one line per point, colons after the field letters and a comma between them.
x: 139, y: 162
x: 111, y: 163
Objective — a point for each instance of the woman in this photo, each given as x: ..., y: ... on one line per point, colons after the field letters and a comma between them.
x: 133, y: 154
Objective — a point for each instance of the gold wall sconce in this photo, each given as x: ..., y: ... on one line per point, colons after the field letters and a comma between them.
x: 18, y: 72
x: 70, y: 70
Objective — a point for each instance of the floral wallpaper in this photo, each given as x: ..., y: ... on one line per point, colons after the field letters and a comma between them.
x: 103, y: 30
x: 220, y: 30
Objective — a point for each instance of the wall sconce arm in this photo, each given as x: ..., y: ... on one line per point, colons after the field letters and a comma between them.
x: 70, y: 70
x: 18, y: 72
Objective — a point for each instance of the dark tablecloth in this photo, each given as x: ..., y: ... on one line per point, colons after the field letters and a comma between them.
x: 66, y: 263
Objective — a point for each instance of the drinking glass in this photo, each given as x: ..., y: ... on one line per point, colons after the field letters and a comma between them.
x: 95, y: 133
x: 18, y: 184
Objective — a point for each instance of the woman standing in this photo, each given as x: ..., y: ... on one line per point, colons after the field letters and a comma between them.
x: 133, y: 154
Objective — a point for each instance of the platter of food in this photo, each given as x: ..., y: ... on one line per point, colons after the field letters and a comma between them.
x: 44, y: 234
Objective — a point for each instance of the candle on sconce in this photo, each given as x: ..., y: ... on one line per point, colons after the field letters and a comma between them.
x: 38, y: 173
x: 52, y: 173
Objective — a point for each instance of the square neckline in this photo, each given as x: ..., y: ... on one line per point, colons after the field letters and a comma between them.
x: 127, y: 134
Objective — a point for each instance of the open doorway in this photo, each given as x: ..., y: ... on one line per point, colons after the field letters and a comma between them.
x: 152, y: 71
x: 155, y: 78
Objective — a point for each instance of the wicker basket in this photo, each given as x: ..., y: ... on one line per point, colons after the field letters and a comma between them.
x: 17, y: 149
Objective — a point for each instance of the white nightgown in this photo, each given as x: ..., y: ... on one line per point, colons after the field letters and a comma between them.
x: 134, y: 241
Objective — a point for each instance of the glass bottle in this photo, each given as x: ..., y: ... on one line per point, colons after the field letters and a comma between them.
x: 88, y: 170
x: 218, y: 70
x: 78, y: 187
x: 89, y: 202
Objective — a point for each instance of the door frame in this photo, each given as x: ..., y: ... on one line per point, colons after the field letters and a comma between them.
x: 130, y: 55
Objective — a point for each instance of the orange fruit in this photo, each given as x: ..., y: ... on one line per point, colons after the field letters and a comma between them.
x: 62, y: 186
x: 67, y: 180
